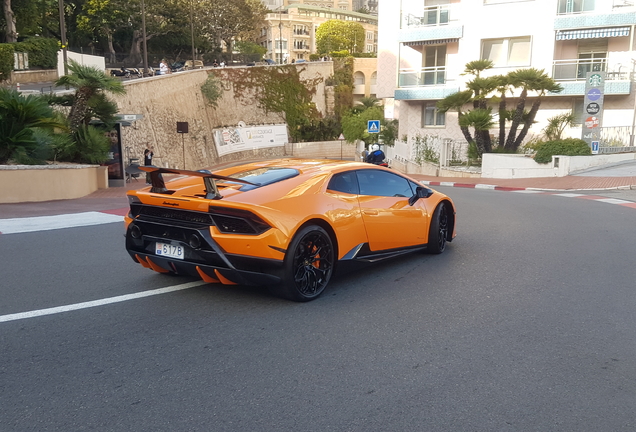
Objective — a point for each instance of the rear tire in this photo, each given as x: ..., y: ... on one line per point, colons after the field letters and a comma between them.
x: 438, y: 232
x: 308, y: 265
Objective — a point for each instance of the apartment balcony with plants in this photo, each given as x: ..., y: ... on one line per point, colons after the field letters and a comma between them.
x: 427, y: 35
x: 595, y: 35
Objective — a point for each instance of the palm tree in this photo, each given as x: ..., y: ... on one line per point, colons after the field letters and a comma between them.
x: 456, y: 102
x: 90, y: 84
x: 24, y: 121
x: 482, y: 121
x: 528, y: 80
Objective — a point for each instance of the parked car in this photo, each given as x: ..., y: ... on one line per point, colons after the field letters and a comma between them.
x: 198, y: 64
x: 284, y: 224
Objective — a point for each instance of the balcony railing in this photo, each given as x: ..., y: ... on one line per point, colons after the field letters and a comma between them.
x: 429, y: 76
x: 576, y: 70
x: 429, y: 16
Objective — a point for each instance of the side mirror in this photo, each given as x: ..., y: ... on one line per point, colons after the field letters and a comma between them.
x: 420, y: 192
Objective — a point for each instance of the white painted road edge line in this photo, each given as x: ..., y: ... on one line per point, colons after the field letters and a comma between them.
x: 45, y: 223
x: 613, y: 201
x: 95, y: 303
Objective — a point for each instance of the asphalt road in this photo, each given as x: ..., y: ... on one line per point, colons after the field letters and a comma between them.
x: 525, y: 323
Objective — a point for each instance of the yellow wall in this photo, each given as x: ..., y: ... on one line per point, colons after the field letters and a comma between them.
x: 21, y: 183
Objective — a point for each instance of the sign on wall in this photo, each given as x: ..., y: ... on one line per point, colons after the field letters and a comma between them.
x: 593, y: 107
x: 232, y: 140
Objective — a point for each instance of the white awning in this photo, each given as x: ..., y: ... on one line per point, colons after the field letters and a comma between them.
x: 592, y: 33
x: 432, y: 42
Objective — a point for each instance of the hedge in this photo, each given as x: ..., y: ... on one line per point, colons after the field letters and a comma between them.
x: 6, y: 61
x: 564, y: 147
x: 42, y: 52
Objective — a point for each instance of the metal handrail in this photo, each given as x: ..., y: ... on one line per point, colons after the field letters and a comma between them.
x: 427, y: 76
x: 430, y: 16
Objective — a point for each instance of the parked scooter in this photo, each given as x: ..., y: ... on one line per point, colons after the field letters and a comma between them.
x: 122, y: 72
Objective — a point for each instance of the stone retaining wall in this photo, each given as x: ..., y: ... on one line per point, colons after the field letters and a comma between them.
x: 34, y: 183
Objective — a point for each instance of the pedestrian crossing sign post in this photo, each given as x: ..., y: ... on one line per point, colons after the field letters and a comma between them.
x: 594, y: 147
x: 373, y: 126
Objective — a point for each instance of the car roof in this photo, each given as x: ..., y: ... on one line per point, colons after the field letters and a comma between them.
x: 304, y: 166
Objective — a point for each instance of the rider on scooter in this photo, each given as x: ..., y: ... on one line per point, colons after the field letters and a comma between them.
x: 375, y: 156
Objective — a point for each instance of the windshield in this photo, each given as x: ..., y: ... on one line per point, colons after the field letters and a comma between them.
x: 264, y: 176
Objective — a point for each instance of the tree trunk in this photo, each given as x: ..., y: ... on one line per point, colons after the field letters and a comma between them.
x: 516, y: 120
x: 531, y: 115
x: 502, y: 120
x: 78, y: 109
x: 134, y: 56
x: 11, y: 34
x: 465, y: 130
x: 112, y: 57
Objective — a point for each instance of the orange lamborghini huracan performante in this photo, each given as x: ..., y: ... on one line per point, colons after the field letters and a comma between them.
x: 284, y: 224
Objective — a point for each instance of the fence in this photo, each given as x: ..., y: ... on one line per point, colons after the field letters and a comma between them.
x: 431, y: 149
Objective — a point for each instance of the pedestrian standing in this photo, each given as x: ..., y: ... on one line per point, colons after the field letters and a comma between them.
x: 148, y: 155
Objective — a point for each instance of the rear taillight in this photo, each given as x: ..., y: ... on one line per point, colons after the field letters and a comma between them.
x: 236, y: 221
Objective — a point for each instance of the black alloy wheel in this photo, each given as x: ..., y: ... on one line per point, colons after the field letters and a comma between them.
x: 309, y: 264
x: 438, y: 232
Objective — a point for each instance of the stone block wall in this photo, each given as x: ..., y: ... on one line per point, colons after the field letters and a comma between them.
x: 167, y: 99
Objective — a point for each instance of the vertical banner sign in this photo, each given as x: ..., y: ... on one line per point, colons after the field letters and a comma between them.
x: 593, y: 107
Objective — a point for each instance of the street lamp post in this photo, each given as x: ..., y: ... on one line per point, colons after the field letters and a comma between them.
x: 60, y: 4
x: 143, y: 35
x: 280, y: 35
x: 192, y: 30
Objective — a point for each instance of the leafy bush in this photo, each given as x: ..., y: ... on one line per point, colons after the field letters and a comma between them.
x: 42, y: 52
x: 565, y: 147
x: 24, y: 124
x: 6, y: 61
x: 90, y: 145
x: 212, y: 90
x: 314, y: 57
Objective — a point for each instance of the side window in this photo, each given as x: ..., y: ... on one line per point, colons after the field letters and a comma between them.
x: 382, y: 183
x: 344, y: 182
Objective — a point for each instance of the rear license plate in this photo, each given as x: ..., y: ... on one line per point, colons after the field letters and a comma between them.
x: 168, y: 250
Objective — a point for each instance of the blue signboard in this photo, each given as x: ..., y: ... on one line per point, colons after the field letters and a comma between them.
x: 373, y: 126
x: 594, y: 147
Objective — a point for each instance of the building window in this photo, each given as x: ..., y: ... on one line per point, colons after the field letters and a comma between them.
x: 369, y: 35
x: 507, y: 52
x: 358, y: 78
x: 575, y: 6
x: 431, y: 117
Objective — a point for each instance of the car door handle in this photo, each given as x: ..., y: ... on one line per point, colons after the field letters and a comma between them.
x: 370, y: 212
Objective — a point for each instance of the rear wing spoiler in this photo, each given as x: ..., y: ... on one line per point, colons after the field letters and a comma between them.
x: 159, y: 186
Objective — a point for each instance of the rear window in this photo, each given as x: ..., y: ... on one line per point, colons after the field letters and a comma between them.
x: 264, y: 176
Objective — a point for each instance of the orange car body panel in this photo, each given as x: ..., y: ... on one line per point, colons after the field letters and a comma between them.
x: 383, y: 222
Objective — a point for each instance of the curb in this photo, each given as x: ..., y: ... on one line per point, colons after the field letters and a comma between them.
x: 514, y: 189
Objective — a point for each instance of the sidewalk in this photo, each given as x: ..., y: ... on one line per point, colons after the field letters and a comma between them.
x: 114, y: 201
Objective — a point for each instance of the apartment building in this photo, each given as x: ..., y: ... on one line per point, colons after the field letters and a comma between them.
x: 425, y: 44
x: 290, y: 32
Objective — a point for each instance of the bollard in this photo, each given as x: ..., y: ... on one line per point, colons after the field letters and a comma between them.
x: 17, y: 85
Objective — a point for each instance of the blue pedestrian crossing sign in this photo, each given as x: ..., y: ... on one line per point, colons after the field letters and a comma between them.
x: 373, y: 126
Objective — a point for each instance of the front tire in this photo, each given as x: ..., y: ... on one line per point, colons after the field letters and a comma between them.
x: 438, y: 232
x: 308, y: 265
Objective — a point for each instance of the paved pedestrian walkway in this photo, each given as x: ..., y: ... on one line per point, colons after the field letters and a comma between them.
x: 113, y: 200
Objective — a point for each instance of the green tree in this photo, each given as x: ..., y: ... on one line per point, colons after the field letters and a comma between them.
x: 10, y: 32
x: 89, y: 99
x: 25, y: 123
x: 338, y: 35
x: 354, y: 124
x: 557, y: 124
x: 483, y: 92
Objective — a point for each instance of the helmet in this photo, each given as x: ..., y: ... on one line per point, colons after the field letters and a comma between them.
x: 375, y: 147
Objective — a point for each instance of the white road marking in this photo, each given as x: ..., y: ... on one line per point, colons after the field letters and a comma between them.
x: 95, y: 303
x: 569, y: 195
x: 45, y: 223
x: 614, y: 201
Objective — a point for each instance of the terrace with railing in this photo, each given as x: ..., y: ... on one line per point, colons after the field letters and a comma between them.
x: 428, y: 16
x: 428, y: 76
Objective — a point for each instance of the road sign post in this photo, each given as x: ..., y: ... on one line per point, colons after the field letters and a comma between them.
x: 341, y: 139
x: 373, y: 126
